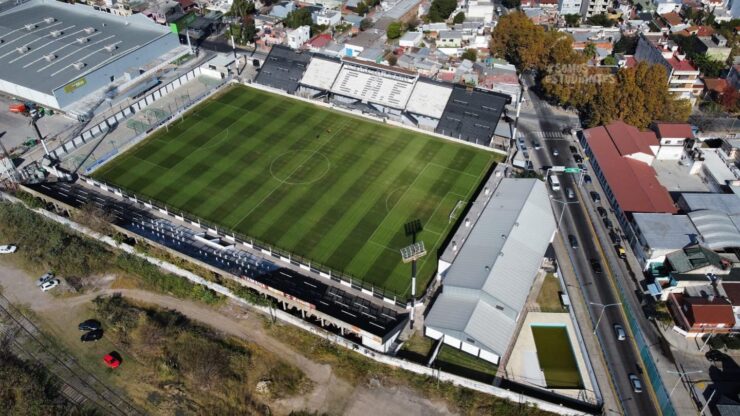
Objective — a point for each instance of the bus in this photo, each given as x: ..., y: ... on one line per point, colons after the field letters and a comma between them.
x: 554, y: 182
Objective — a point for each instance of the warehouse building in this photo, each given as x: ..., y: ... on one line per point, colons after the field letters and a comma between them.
x: 485, y: 283
x: 68, y: 57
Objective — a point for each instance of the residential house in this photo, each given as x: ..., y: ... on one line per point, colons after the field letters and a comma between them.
x: 295, y: 38
x: 327, y: 17
x: 282, y: 9
x: 670, y: 22
x: 682, y: 74
x: 450, y: 39
x: 714, y: 88
x: 480, y: 10
x: 667, y: 6
x: 594, y: 7
x: 354, y: 46
x: 696, y: 316
x: 411, y: 39
x: 715, y: 47
x: 165, y: 12
x: 674, y: 139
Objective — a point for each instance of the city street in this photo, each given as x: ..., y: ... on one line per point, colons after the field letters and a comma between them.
x: 542, y: 123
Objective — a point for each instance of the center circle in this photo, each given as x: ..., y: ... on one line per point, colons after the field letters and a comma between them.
x: 296, y: 160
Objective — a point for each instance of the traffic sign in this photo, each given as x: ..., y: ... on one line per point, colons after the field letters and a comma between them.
x: 572, y: 170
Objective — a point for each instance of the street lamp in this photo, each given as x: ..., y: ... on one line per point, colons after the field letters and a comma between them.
x: 601, y: 315
x: 562, y: 211
x: 681, y: 374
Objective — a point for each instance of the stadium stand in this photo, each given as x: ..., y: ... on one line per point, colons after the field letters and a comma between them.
x: 427, y: 102
x: 283, y: 69
x: 472, y: 114
x: 377, y: 84
x: 321, y: 73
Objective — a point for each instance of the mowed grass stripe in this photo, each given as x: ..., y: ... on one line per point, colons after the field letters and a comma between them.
x: 340, y: 194
x: 227, y: 180
x: 193, y: 182
x: 224, y: 179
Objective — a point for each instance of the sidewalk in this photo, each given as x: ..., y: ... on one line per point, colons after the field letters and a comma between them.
x: 580, y: 309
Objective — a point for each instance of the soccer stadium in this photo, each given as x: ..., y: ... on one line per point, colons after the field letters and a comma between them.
x: 330, y: 188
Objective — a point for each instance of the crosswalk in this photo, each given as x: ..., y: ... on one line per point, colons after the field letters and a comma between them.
x: 548, y: 134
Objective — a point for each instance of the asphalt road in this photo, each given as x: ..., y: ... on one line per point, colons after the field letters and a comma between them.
x: 621, y: 356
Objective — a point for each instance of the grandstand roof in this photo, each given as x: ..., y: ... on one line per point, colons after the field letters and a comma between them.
x: 40, y: 43
x: 321, y: 73
x: 283, y: 68
x: 472, y: 114
x: 374, y: 83
x: 429, y: 98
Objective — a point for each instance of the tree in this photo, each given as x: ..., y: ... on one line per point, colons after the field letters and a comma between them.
x: 459, y: 18
x: 394, y: 30
x: 626, y: 45
x: 241, y: 8
x: 572, y: 20
x: 600, y: 20
x: 518, y: 40
x: 366, y: 24
x: 298, y: 18
x: 511, y: 4
x: 470, y: 55
x: 440, y: 10
x: 361, y: 8
x: 730, y: 100
x: 610, y: 60
x: 590, y: 50
x: 392, y: 60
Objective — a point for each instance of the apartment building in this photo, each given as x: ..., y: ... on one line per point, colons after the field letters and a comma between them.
x: 659, y: 49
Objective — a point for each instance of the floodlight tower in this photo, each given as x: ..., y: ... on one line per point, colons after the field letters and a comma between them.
x: 410, y: 254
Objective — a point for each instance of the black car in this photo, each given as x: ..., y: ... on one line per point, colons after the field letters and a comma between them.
x: 577, y: 158
x: 615, y: 237
x: 573, y: 150
x: 586, y: 179
x: 596, y: 266
x: 91, y: 336
x: 89, y: 325
x: 595, y: 196
x: 573, y: 241
x: 608, y: 223
x: 601, y: 211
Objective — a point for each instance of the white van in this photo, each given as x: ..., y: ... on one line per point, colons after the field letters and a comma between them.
x: 554, y: 182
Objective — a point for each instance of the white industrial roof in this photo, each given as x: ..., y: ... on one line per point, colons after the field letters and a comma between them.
x: 321, y: 73
x: 721, y: 171
x: 487, y: 285
x: 374, y: 87
x: 666, y: 231
x: 716, y: 228
x: 727, y: 203
x: 429, y: 99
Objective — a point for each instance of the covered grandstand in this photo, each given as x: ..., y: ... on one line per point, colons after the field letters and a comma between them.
x: 283, y: 69
x: 467, y: 114
x: 472, y: 114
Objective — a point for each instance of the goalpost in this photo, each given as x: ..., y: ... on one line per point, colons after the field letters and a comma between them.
x: 456, y: 211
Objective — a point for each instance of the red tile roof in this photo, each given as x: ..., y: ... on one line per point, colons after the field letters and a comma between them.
x: 704, y: 311
x: 672, y: 18
x: 681, y: 65
x: 717, y: 85
x: 674, y: 130
x: 320, y: 41
x: 630, y: 62
x: 633, y: 183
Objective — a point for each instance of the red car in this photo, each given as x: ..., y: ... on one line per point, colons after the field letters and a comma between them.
x: 111, y: 360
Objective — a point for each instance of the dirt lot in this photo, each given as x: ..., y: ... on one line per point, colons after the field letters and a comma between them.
x: 59, y: 313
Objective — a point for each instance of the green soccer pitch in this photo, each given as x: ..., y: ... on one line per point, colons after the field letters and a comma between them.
x: 329, y: 187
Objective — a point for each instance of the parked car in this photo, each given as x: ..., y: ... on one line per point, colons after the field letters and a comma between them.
x: 607, y: 222
x: 45, y: 278
x: 614, y: 237
x: 7, y: 249
x: 92, y: 336
x: 587, y: 179
x: 601, y: 211
x: 536, y: 144
x: 620, y: 251
x: 570, y: 193
x: 112, y: 360
x: 573, y: 150
x: 49, y: 284
x: 555, y: 152
x: 89, y: 325
x: 619, y: 331
x: 578, y: 158
x: 596, y: 266
x: 573, y: 241
x: 596, y: 197
x: 582, y: 167
x: 636, y: 383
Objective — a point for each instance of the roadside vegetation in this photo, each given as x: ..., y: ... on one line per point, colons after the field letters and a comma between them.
x: 549, y: 296
x: 195, y: 369
x: 360, y: 370
x: 29, y: 389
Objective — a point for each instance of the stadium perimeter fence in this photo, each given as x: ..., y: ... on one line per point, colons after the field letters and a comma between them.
x: 283, y: 255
